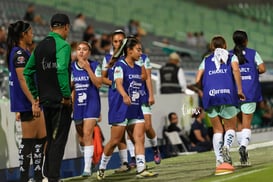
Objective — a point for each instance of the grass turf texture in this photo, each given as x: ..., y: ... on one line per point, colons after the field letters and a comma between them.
x: 199, y: 167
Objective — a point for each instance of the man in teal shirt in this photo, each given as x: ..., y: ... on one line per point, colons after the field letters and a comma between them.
x: 47, y: 74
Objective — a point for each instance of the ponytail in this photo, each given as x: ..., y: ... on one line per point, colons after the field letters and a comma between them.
x: 12, y: 39
x: 127, y: 43
x: 240, y: 40
x: 118, y: 53
x: 240, y: 53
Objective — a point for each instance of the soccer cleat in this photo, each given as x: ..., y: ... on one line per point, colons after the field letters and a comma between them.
x: 100, y: 174
x: 86, y: 174
x: 224, y: 168
x: 123, y: 168
x: 226, y: 156
x: 157, y: 156
x: 244, y: 156
x: 218, y: 163
x: 146, y: 174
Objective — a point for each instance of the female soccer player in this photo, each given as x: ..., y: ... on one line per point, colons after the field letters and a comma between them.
x: 251, y: 65
x: 147, y: 101
x: 125, y: 110
x: 86, y: 81
x: 220, y: 76
x: 26, y: 107
x: 107, y: 79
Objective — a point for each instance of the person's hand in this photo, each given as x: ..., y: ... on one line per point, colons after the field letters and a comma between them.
x: 200, y: 93
x: 66, y: 101
x: 85, y: 64
x: 36, y: 110
x: 241, y: 96
x: 17, y: 116
x: 151, y: 100
x: 127, y: 100
x: 193, y: 145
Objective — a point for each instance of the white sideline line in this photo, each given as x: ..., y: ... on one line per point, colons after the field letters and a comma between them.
x: 239, y: 175
x: 254, y: 146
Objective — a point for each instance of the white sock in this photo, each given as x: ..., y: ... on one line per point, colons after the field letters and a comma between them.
x: 104, y: 161
x: 239, y: 136
x: 131, y: 148
x: 88, y: 154
x: 229, y: 138
x: 217, y: 146
x: 246, y: 136
x: 123, y: 156
x: 153, y: 141
x: 140, y: 163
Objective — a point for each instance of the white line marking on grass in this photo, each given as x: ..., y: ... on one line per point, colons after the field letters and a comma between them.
x: 239, y: 175
x: 254, y: 146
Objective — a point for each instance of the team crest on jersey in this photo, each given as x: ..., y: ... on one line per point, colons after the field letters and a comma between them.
x: 19, y: 52
x: 82, y: 98
x: 21, y: 60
